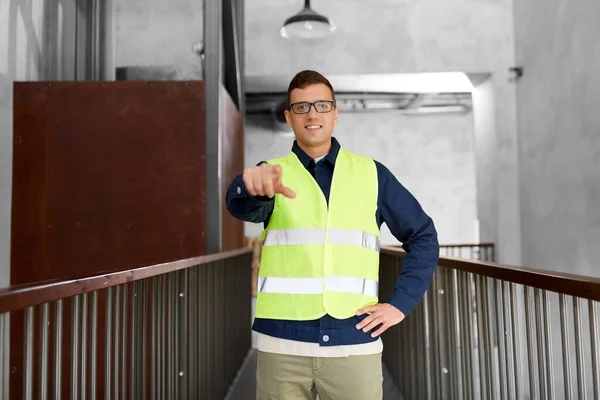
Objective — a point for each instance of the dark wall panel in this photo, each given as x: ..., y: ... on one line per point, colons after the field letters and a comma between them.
x: 106, y: 176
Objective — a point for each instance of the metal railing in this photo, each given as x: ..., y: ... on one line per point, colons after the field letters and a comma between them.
x: 487, y: 331
x: 174, y: 330
x: 479, y: 251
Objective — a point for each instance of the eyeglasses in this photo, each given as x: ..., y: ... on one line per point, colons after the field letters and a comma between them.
x: 323, y: 106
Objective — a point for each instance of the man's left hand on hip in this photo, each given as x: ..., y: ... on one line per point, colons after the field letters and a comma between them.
x: 382, y: 314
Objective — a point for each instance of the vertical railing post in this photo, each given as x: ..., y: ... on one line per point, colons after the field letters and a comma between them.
x: 123, y: 358
x: 134, y: 371
x: 108, y: 344
x: 514, y: 319
x: 435, y: 359
x: 211, y: 330
x: 442, y: 334
x: 412, y: 354
x: 182, y: 342
x: 116, y: 352
x: 75, y: 338
x: 566, y: 345
x: 28, y: 354
x: 43, y: 366
x: 549, y: 356
x: 540, y: 344
x: 58, y: 320
x: 171, y: 307
x: 501, y: 336
x: 143, y: 357
x: 469, y: 340
x: 595, y: 343
x: 84, y: 344
x: 421, y: 345
x: 532, y: 362
x: 93, y: 344
x: 161, y: 344
x: 458, y: 365
x: 489, y: 340
x: 579, y: 348
x: 427, y: 326
x: 508, y: 353
x: 481, y: 335
x: 4, y: 356
x: 154, y: 339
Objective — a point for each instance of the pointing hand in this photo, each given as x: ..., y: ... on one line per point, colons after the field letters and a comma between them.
x: 265, y: 180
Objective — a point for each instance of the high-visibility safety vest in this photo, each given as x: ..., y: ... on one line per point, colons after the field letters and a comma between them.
x: 316, y: 259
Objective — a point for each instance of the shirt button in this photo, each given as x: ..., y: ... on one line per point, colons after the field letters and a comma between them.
x: 238, y: 190
x: 326, y: 338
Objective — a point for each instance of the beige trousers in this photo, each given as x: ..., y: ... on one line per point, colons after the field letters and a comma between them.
x: 287, y: 377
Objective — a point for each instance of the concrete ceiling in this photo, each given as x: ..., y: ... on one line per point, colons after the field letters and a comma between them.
x: 407, y: 93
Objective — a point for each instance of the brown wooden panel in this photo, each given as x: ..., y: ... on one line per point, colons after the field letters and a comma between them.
x: 232, y: 164
x: 106, y: 176
x: 31, y: 133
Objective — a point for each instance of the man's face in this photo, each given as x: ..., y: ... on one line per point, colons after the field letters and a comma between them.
x: 314, y: 128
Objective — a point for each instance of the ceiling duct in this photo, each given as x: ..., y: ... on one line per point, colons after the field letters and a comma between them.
x: 411, y: 94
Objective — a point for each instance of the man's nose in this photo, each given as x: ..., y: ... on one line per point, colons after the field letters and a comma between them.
x: 312, y: 112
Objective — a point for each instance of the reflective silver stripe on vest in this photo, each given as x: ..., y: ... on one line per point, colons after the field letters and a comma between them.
x: 353, y: 285
x: 291, y: 236
x: 344, y: 284
x: 353, y: 237
x: 300, y: 236
x: 273, y: 284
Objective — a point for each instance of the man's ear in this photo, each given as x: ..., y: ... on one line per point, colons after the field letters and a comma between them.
x: 335, y: 119
x: 288, y: 118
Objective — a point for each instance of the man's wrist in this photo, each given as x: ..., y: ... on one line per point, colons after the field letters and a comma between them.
x: 402, y: 302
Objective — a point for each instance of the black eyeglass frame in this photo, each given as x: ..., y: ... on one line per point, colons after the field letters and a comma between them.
x: 313, y: 105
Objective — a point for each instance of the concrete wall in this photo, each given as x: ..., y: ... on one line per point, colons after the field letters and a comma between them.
x: 34, y: 45
x: 444, y: 183
x: 484, y: 118
x: 154, y: 33
x: 559, y: 133
x: 411, y: 36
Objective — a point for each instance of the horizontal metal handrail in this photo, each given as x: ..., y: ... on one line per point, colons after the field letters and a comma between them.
x: 18, y: 297
x: 561, y: 282
x: 485, y: 251
x: 178, y: 329
x: 487, y: 331
x: 483, y: 244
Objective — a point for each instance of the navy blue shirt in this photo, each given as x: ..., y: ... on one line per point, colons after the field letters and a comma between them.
x: 395, y: 206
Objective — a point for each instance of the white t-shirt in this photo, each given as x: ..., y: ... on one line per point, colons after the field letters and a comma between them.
x: 270, y: 344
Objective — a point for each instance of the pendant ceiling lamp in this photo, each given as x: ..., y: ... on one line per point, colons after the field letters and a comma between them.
x: 307, y: 24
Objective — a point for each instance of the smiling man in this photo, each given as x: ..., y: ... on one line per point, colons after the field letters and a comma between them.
x: 318, y: 315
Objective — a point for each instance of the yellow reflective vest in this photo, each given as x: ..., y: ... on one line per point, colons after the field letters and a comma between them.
x: 316, y: 259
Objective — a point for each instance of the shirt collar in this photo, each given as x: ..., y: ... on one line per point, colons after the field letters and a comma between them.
x: 305, y: 159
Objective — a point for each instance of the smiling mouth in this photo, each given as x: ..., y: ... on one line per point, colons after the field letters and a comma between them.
x: 313, y: 127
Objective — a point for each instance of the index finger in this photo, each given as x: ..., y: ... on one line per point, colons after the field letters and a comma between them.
x: 287, y: 192
x: 368, y: 309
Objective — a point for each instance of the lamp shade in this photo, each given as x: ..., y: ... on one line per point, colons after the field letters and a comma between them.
x: 307, y: 24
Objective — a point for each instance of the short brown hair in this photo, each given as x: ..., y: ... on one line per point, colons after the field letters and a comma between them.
x: 306, y: 78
